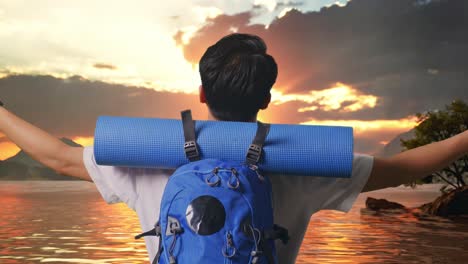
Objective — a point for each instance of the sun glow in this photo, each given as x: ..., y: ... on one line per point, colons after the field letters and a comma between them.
x: 137, y: 48
x: 84, y: 141
x: 341, y: 97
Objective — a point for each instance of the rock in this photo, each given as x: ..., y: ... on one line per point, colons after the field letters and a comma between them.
x: 453, y: 203
x: 382, y: 204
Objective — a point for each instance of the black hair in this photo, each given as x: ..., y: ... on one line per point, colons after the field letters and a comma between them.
x: 237, y: 75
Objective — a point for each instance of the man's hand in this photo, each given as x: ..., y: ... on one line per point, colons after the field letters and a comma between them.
x: 416, y: 163
x: 43, y: 147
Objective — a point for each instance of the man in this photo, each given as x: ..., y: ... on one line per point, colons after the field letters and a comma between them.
x: 237, y: 75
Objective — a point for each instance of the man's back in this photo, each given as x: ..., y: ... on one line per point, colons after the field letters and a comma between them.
x: 295, y: 198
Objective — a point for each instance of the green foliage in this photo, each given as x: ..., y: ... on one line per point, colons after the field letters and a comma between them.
x: 438, y: 125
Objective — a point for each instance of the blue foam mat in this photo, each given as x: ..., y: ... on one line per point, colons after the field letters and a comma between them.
x: 325, y: 151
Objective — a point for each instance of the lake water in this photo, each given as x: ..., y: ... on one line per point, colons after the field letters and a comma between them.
x: 68, y: 222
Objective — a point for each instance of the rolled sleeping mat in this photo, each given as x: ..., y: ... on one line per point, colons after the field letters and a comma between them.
x: 309, y: 150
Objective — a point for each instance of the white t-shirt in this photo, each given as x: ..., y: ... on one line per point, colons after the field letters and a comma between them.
x: 295, y: 198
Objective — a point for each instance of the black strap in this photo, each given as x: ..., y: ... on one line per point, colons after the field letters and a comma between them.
x: 156, y: 231
x: 266, y: 249
x: 152, y: 232
x: 277, y: 232
x: 190, y: 145
x: 255, y: 149
x: 160, y: 250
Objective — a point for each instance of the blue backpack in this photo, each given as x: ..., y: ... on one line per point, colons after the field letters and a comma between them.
x: 215, y: 211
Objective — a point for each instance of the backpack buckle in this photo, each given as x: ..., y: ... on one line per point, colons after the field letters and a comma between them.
x: 173, y: 226
x: 253, y: 154
x: 191, y: 150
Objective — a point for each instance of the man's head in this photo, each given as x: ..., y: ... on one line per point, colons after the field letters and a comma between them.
x: 237, y: 75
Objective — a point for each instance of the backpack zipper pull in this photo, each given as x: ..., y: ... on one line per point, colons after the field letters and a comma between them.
x: 174, y: 229
x: 255, y: 168
x: 234, y: 174
x: 229, y: 245
x: 172, y: 260
x: 256, y: 256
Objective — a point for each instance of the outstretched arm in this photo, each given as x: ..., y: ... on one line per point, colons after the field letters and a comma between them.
x: 43, y: 147
x: 416, y: 163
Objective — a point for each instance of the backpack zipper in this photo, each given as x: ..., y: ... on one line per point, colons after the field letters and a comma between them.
x: 229, y: 249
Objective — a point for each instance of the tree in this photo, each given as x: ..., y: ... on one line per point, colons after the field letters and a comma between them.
x: 438, y: 125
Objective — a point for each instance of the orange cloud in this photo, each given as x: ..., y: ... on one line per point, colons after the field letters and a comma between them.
x: 7, y: 150
x: 84, y: 141
x: 341, y: 97
x: 371, y: 135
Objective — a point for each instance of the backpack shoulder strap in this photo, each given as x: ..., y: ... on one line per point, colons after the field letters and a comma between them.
x: 190, y: 145
x: 255, y: 149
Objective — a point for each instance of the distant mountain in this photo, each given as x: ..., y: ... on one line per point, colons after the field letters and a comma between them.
x: 394, y: 146
x: 22, y: 167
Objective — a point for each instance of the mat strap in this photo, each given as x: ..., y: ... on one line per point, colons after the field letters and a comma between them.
x: 190, y: 145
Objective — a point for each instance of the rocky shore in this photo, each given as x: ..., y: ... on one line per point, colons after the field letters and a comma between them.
x: 453, y: 203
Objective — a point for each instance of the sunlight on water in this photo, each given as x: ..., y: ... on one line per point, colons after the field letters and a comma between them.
x: 68, y: 222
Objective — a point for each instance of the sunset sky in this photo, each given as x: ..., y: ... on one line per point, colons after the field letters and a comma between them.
x: 370, y: 64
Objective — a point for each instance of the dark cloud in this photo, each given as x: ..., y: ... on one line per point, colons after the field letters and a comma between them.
x: 409, y: 53
x: 104, y: 66
x: 70, y: 107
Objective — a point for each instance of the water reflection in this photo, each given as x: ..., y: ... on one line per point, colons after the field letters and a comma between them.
x: 362, y: 236
x: 68, y: 222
